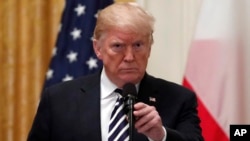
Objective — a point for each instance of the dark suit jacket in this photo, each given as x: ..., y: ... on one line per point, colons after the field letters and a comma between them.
x: 70, y: 111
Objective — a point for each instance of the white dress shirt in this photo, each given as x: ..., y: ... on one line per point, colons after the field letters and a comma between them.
x: 108, y: 99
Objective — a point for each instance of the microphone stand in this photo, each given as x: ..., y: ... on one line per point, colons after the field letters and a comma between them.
x: 129, y: 104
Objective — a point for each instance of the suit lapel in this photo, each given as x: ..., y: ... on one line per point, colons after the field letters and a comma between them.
x: 89, y: 109
x: 147, y: 91
x: 148, y: 95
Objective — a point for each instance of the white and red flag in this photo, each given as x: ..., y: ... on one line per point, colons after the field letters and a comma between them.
x: 218, y: 66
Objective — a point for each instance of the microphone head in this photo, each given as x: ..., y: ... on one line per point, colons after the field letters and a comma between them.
x: 129, y: 89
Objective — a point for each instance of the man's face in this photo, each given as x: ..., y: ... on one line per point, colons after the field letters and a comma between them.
x: 124, y: 55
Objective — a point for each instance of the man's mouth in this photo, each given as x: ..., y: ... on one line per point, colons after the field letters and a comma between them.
x: 129, y: 69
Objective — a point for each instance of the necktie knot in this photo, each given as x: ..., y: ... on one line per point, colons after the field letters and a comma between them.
x: 119, y: 91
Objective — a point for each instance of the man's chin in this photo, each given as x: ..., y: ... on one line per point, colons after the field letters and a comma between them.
x: 130, y: 79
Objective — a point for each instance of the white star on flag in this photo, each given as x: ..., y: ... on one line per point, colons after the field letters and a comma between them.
x: 92, y: 63
x: 92, y: 38
x: 59, y: 27
x: 54, y: 51
x: 76, y: 33
x: 67, y: 78
x: 96, y: 15
x: 80, y: 9
x: 49, y: 74
x: 72, y: 56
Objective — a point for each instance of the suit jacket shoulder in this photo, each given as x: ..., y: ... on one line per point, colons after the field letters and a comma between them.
x: 152, y: 87
x: 81, y: 83
x: 176, y: 105
x: 69, y: 111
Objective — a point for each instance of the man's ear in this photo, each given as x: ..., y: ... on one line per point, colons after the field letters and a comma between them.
x: 149, y: 51
x: 97, y: 49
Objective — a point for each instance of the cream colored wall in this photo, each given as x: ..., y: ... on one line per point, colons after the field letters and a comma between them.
x: 175, y: 22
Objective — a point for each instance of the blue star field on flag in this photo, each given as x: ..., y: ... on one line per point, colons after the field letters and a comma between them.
x: 73, y: 55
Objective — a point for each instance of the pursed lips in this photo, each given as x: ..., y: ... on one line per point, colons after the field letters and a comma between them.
x: 129, y: 69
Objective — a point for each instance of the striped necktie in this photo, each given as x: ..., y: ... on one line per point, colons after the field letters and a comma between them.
x: 118, y: 124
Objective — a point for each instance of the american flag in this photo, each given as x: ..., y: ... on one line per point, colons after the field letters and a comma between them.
x: 73, y: 55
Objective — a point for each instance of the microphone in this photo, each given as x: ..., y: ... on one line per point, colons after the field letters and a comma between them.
x: 129, y: 93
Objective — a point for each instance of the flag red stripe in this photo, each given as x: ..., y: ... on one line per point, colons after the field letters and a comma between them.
x: 210, y: 129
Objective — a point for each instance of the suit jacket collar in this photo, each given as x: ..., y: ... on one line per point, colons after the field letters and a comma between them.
x: 89, y: 107
x: 148, y: 91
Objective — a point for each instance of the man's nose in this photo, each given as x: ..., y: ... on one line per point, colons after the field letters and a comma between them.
x: 129, y: 54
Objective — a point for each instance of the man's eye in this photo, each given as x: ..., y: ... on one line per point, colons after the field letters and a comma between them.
x: 138, y: 46
x: 117, y: 47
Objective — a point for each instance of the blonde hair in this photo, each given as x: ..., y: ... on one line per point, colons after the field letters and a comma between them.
x: 129, y: 16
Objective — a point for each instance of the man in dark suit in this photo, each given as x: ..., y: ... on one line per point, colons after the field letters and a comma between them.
x: 81, y: 109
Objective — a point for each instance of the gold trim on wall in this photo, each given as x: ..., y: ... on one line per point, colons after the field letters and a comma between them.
x: 27, y: 35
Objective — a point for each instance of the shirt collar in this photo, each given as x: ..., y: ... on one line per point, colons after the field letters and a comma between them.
x: 108, y: 87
